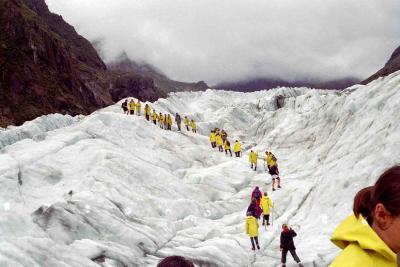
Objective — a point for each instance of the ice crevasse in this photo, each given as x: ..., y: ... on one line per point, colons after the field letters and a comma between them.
x: 115, y: 190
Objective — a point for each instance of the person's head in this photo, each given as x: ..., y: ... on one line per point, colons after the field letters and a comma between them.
x: 265, y: 193
x: 285, y: 227
x: 380, y: 206
x: 257, y: 187
x: 175, y: 261
x: 251, y: 151
x: 249, y: 213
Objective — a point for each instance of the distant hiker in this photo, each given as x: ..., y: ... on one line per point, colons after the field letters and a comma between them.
x: 161, y: 120
x: 175, y: 261
x: 237, y: 148
x: 266, y: 205
x: 273, y: 170
x: 186, y: 122
x: 224, y: 135
x: 131, y: 107
x: 138, y: 107
x: 227, y: 147
x: 213, y: 139
x: 287, y: 245
x: 253, y: 160
x: 154, y: 117
x: 124, y: 106
x: 252, y: 230
x: 256, y: 194
x: 219, y: 143
x: 166, y: 120
x: 169, y: 122
x: 371, y: 235
x: 178, y: 121
x: 147, y: 112
x: 194, y: 126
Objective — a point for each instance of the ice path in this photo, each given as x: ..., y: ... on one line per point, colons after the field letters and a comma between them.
x: 116, y: 187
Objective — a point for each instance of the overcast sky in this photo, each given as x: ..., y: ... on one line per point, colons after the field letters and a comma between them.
x: 226, y: 40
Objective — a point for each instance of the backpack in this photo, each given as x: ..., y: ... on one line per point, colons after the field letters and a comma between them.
x: 274, y: 158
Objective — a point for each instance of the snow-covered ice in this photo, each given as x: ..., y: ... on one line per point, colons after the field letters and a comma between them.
x: 74, y: 189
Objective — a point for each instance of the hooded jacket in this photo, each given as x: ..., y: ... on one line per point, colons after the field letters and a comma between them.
x: 361, y: 246
x: 287, y: 239
x: 212, y: 137
x: 253, y: 157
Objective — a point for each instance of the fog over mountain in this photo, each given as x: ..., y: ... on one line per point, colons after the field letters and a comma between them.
x: 220, y: 41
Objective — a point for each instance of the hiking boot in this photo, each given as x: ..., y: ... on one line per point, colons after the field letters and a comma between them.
x: 279, y: 186
x: 267, y: 223
x: 273, y: 189
x: 283, y: 265
x: 258, y: 247
x: 253, y: 248
x: 301, y: 265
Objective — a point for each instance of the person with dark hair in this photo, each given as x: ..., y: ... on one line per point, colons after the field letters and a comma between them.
x: 253, y: 159
x: 131, y: 107
x: 178, y: 121
x: 147, y: 112
x: 252, y: 230
x: 371, y: 235
x: 154, y: 117
x: 287, y: 245
x: 138, y: 107
x: 124, y: 106
x: 175, y: 261
x: 194, y: 126
x: 254, y: 208
x: 186, y: 121
x: 219, y: 142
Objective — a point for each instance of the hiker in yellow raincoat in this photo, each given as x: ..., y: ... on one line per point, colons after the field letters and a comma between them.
x: 219, y: 143
x: 147, y: 112
x: 251, y: 227
x: 237, y: 148
x: 186, y: 122
x: 253, y: 159
x: 169, y: 122
x: 227, y: 147
x: 154, y: 117
x: 194, y: 126
x: 131, y: 107
x: 213, y: 139
x: 138, y: 107
x: 266, y: 205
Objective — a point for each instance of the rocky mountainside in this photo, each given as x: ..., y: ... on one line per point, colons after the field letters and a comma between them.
x: 391, y: 66
x: 47, y: 67
x: 268, y: 83
x: 162, y: 82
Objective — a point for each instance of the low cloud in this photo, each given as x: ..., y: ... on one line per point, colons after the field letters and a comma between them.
x: 229, y: 40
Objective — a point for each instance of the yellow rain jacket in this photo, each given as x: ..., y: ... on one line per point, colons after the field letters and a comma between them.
x: 237, y: 147
x: 131, y: 105
x: 154, y: 115
x: 138, y: 105
x: 266, y: 204
x: 251, y: 226
x: 194, y: 126
x: 253, y: 157
x: 226, y: 146
x: 169, y: 120
x: 147, y: 110
x: 219, y: 140
x: 162, y: 118
x: 269, y: 159
x: 212, y: 137
x: 186, y: 121
x: 361, y: 246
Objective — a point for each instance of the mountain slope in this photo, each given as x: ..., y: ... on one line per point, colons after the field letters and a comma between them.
x: 161, y: 81
x: 115, y: 190
x: 391, y: 66
x: 47, y: 67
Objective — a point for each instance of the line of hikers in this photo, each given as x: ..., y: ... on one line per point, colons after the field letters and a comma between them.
x: 219, y: 138
x: 271, y: 164
x: 163, y: 120
x: 261, y: 204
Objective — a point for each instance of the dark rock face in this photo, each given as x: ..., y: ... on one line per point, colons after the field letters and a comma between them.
x: 47, y: 67
x: 391, y: 66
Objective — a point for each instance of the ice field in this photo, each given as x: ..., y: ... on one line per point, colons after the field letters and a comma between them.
x: 74, y: 189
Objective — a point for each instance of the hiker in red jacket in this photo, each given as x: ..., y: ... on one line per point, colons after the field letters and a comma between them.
x: 287, y: 245
x: 257, y: 194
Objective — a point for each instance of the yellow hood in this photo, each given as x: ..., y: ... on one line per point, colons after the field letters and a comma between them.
x: 353, y: 230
